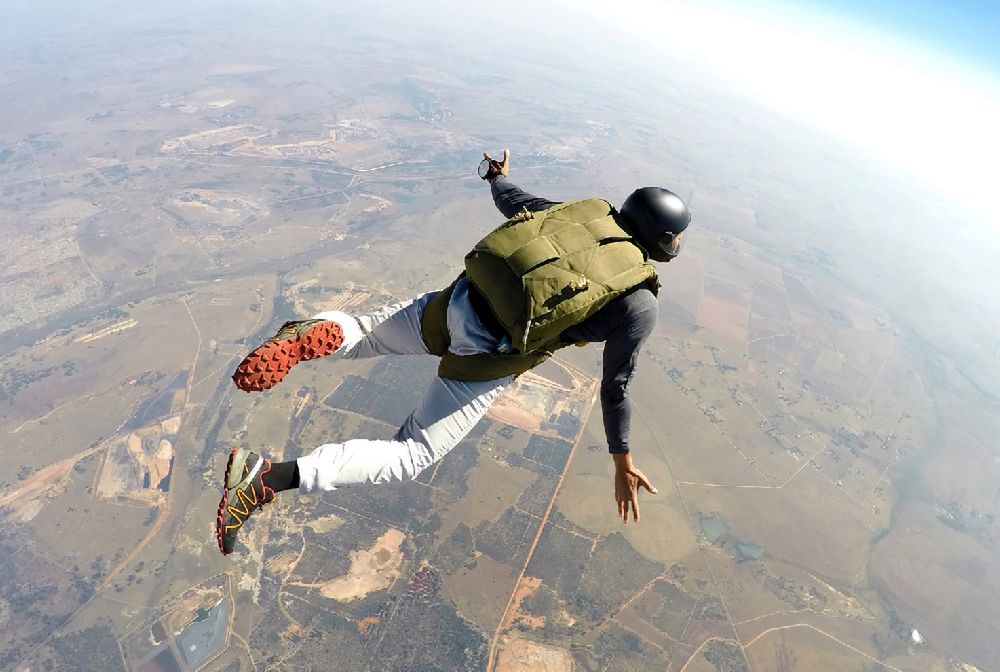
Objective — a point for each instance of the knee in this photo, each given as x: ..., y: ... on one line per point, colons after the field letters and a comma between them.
x: 420, y: 453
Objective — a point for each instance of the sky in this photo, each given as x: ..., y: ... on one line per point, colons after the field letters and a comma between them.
x: 915, y: 84
x: 968, y: 29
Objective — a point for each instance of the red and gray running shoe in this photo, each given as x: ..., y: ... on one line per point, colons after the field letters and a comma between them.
x: 243, y: 493
x: 296, y: 341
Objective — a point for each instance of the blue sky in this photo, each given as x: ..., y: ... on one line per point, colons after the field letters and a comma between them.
x: 969, y: 30
x: 914, y: 85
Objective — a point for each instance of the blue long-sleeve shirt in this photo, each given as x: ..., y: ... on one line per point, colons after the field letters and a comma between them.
x: 623, y: 325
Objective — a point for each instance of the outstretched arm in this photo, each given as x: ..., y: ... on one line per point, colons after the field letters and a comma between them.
x: 624, y: 325
x: 508, y: 197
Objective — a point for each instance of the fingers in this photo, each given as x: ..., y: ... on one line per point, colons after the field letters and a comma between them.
x: 506, y: 156
x: 643, y: 481
x: 635, y: 506
x: 621, y: 510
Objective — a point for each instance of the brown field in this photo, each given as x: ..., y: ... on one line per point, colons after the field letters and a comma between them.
x: 532, y: 399
x: 557, y: 372
x: 27, y: 499
x: 726, y: 291
x: 631, y: 620
x: 372, y: 569
x: 493, y: 486
x: 82, y: 534
x: 324, y: 524
x: 801, y: 647
x: 283, y: 564
x: 522, y: 655
x: 808, y: 522
x: 678, y: 315
x: 268, y: 424
x: 509, y: 411
x: 481, y: 593
x: 724, y: 319
x: 929, y: 570
x: 698, y: 663
x: 769, y: 301
x: 697, y: 449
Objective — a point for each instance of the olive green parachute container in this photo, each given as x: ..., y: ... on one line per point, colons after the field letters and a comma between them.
x: 542, y: 273
x: 547, y: 271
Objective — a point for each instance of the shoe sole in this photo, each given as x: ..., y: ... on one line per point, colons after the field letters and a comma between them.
x: 222, y: 502
x: 266, y: 366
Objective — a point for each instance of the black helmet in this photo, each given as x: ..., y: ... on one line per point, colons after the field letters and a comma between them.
x: 655, y: 217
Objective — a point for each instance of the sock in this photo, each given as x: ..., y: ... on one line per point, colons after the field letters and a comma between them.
x: 282, y: 476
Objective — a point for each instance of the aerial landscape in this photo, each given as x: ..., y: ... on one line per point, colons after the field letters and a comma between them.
x: 176, y: 184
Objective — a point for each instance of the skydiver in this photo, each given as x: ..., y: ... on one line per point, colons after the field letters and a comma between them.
x: 480, y: 328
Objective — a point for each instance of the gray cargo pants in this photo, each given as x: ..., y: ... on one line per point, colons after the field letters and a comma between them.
x: 447, y: 412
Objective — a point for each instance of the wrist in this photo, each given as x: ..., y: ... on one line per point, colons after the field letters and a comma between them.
x: 623, y: 461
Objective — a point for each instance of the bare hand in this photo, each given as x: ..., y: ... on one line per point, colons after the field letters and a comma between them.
x: 497, y: 168
x: 628, y: 480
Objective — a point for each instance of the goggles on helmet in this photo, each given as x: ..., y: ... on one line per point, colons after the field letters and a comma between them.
x: 671, y: 243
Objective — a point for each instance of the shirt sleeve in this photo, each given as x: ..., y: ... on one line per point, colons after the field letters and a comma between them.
x: 511, y: 199
x: 624, y: 325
